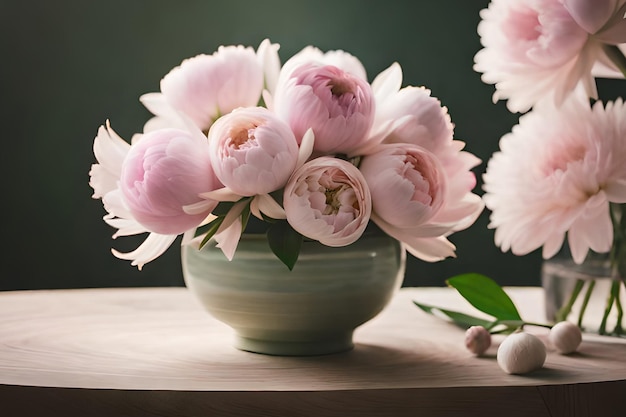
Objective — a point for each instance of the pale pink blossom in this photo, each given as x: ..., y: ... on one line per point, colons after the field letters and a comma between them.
x: 163, y: 172
x: 410, y: 115
x: 336, y: 104
x: 408, y: 187
x: 252, y: 151
x: 205, y: 87
x: 535, y: 49
x: 328, y: 200
x: 112, y: 153
x: 555, y: 174
x: 407, y: 184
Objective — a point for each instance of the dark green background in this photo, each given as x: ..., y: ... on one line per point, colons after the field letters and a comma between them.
x: 67, y: 66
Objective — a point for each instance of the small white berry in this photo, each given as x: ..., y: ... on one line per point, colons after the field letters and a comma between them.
x: 477, y: 340
x: 521, y: 353
x: 565, y: 337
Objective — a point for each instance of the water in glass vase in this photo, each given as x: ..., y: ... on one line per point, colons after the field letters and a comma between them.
x: 570, y: 288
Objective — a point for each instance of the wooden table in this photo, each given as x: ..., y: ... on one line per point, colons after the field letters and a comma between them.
x: 155, y: 352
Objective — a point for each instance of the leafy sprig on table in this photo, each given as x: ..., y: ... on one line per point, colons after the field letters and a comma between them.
x: 487, y: 296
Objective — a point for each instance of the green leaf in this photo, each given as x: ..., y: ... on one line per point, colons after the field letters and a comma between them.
x: 486, y: 295
x: 213, y: 226
x: 285, y: 242
x: 245, y: 216
x: 222, y: 208
x: 461, y: 319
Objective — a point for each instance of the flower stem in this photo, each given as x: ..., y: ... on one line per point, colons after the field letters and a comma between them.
x: 615, y: 288
x: 607, y: 309
x: 616, y: 56
x: 530, y: 323
x: 590, y: 286
x: 564, y: 311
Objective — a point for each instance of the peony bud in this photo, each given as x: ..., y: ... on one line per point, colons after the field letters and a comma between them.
x: 477, y: 340
x: 565, y: 337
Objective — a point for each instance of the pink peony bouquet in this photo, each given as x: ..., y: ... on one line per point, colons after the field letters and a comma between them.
x: 310, y: 148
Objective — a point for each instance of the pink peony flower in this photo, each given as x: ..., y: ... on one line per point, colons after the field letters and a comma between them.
x: 112, y: 151
x: 252, y: 151
x: 207, y: 86
x: 336, y: 104
x: 536, y: 49
x: 408, y: 187
x: 410, y: 115
x: 163, y: 172
x: 327, y: 199
x: 407, y: 184
x: 555, y: 174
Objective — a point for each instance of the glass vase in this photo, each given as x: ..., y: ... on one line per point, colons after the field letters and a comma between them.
x: 591, y: 294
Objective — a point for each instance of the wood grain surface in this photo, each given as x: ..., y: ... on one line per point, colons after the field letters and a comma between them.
x: 155, y: 352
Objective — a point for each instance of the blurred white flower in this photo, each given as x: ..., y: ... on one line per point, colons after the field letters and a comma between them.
x: 537, y: 49
x: 555, y: 174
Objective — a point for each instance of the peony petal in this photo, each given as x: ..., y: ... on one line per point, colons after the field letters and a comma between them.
x: 616, y: 190
x: 429, y: 249
x: 229, y: 232
x: 221, y: 194
x: 306, y: 148
x: 553, y: 245
x: 270, y: 61
x: 110, y: 150
x: 591, y: 15
x: 387, y: 83
x: 268, y: 206
x: 150, y: 249
x: 199, y: 207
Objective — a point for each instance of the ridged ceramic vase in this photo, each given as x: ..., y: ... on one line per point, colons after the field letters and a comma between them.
x: 311, y: 310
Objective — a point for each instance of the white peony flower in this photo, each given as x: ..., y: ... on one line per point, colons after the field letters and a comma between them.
x: 555, y: 174
x: 537, y: 49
